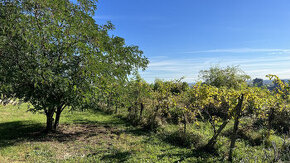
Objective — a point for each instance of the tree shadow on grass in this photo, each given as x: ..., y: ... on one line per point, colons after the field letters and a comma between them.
x: 17, y: 131
x: 109, y: 122
x: 196, y: 154
x: 194, y: 148
x: 183, y: 140
x: 117, y: 157
x: 138, y: 131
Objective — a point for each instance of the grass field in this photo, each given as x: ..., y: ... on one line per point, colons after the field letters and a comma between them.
x: 98, y: 137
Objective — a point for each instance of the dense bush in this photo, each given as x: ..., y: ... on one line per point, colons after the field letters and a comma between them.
x: 163, y: 102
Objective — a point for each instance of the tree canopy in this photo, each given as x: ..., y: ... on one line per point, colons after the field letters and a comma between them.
x: 53, y: 54
x: 231, y: 77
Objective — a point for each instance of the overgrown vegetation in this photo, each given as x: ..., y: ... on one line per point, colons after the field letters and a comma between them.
x: 98, y: 137
x: 220, y: 106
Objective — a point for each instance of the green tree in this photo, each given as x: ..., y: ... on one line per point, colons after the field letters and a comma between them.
x: 280, y: 109
x: 258, y: 82
x: 53, y: 54
x: 230, y: 77
x: 138, y: 93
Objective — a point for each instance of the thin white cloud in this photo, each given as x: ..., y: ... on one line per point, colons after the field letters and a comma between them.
x: 255, y: 66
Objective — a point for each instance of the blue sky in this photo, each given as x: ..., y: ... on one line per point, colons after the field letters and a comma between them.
x: 182, y: 37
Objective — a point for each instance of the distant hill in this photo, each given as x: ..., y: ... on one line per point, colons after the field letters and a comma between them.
x: 270, y: 82
x: 265, y: 82
x: 190, y: 84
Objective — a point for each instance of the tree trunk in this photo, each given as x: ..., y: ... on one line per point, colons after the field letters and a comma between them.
x: 116, y: 110
x: 56, y: 122
x: 270, y: 121
x: 184, y: 122
x: 49, y: 120
x: 57, y: 117
x: 153, y: 120
x: 141, y: 110
x: 212, y: 141
x: 236, y: 127
x: 271, y: 118
x: 136, y: 111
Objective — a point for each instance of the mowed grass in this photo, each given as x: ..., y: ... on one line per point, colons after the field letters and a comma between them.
x: 82, y: 137
x: 99, y: 137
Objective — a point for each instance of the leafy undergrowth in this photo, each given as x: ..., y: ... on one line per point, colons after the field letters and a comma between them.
x: 99, y: 137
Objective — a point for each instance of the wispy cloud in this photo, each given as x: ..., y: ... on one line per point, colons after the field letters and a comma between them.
x: 255, y: 65
x: 241, y: 50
